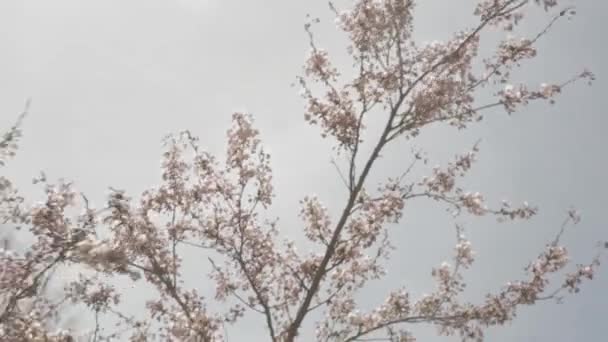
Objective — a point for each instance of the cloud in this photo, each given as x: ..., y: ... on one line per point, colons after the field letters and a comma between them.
x: 195, y: 5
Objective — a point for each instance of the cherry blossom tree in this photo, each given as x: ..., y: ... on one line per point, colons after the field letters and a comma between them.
x: 217, y: 205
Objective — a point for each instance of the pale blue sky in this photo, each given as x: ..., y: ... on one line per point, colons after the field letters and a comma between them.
x: 108, y: 79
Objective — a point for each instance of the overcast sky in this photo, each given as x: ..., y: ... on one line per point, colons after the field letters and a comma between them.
x: 108, y: 79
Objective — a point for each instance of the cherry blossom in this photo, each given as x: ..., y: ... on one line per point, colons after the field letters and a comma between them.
x: 218, y: 205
